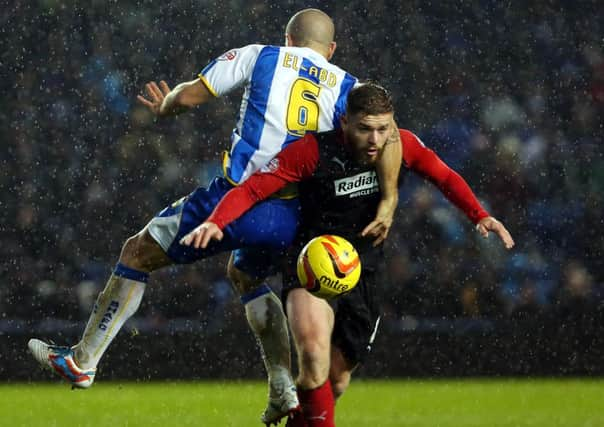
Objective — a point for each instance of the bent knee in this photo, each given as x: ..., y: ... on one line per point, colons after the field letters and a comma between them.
x: 130, y: 250
x: 312, y: 347
x: 314, y: 364
x: 141, y: 252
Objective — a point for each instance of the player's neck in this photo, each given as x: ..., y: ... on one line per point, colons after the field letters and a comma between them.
x: 321, y: 49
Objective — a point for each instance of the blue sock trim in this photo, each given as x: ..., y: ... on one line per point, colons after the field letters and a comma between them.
x: 258, y: 292
x: 129, y: 273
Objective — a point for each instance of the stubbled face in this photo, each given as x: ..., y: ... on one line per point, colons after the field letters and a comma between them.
x: 367, y: 134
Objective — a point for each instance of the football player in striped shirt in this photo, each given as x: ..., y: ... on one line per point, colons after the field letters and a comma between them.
x: 288, y: 91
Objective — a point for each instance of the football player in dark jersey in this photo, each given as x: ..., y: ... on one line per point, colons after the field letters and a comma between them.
x: 339, y: 192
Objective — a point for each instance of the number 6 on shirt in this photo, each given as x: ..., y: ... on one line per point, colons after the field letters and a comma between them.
x: 303, y: 107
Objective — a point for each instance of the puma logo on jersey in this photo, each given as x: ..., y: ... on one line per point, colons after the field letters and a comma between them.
x: 358, y: 185
x: 321, y: 417
x: 339, y: 162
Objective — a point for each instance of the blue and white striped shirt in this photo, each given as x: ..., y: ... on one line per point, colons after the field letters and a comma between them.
x: 288, y: 91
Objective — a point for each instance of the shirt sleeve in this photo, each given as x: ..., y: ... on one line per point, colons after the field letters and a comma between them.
x: 230, y: 70
x: 294, y: 163
x: 348, y: 83
x: 422, y: 160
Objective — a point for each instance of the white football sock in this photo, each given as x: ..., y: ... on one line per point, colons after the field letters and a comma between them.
x: 267, y: 320
x: 117, y: 303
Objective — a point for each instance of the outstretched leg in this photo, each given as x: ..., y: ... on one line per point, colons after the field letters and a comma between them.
x: 121, y: 297
x: 115, y: 304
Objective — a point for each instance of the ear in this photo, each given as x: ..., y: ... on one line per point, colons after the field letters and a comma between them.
x: 343, y: 121
x: 331, y: 50
x: 288, y: 40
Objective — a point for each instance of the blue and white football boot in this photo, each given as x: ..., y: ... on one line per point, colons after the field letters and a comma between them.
x: 60, y: 359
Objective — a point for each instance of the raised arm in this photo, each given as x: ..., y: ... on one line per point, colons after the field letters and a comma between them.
x: 184, y: 96
x: 220, y: 76
x: 162, y: 101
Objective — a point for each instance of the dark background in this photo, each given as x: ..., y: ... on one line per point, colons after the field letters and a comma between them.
x: 510, y: 94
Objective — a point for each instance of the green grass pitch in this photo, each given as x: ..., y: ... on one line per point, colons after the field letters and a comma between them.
x: 404, y: 403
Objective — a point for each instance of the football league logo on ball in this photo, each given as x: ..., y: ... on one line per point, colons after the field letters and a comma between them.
x: 328, y: 266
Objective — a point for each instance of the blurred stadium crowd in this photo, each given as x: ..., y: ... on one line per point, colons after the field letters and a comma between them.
x: 511, y: 97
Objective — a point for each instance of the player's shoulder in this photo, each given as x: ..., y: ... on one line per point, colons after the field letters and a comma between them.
x: 249, y: 51
x: 303, y: 151
x: 253, y: 46
x: 311, y: 141
x: 408, y: 137
x: 329, y: 136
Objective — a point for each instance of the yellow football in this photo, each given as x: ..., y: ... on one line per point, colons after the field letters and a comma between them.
x: 328, y: 266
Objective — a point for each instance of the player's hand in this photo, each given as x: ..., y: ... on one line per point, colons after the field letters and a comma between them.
x: 377, y: 229
x: 155, y: 96
x: 201, y: 236
x: 491, y: 224
x: 380, y: 226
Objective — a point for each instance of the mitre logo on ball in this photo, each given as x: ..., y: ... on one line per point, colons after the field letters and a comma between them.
x: 328, y: 266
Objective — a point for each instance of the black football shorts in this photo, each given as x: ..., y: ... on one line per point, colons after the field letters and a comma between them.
x: 357, y: 313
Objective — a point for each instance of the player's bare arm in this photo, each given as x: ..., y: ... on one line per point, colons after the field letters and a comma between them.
x: 388, y: 169
x: 163, y: 101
